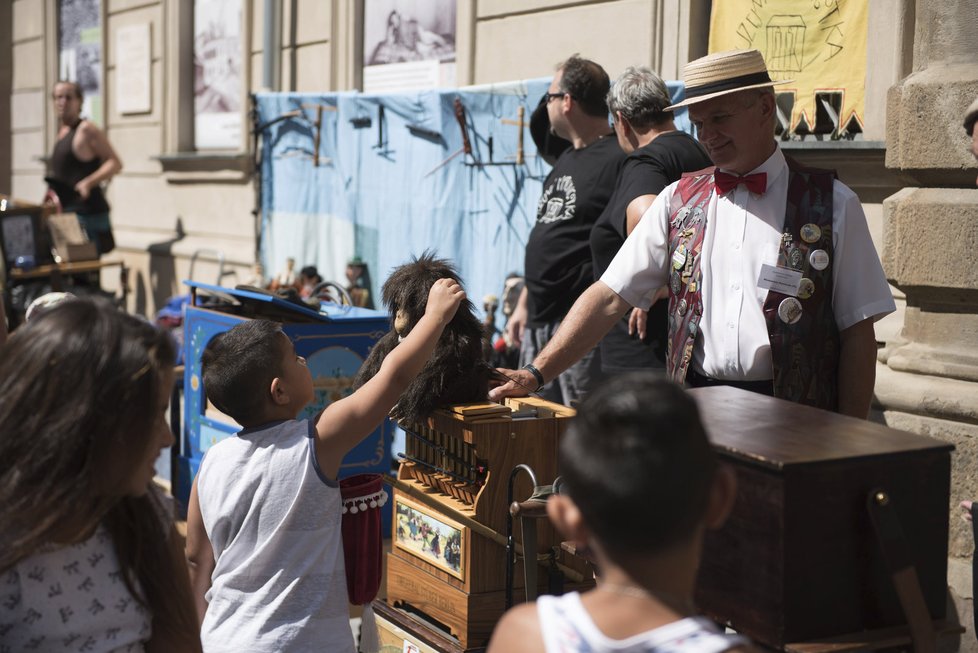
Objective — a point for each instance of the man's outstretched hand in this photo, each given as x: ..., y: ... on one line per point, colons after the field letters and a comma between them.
x: 520, y: 384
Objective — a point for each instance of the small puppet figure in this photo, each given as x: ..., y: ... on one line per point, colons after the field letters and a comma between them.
x: 257, y: 278
x: 358, y: 280
x: 489, y: 305
x: 308, y: 280
x: 286, y: 278
x: 457, y: 371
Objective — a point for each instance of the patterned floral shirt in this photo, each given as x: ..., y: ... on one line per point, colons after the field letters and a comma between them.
x: 71, y: 598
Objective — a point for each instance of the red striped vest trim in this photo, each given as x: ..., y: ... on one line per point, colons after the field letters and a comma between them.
x: 805, y: 354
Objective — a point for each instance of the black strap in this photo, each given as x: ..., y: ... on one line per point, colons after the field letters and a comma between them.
x: 903, y: 574
x: 696, y: 380
x: 555, y: 577
x: 974, y: 561
x: 529, y: 367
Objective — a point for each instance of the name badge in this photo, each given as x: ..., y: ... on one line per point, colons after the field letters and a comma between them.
x: 778, y: 279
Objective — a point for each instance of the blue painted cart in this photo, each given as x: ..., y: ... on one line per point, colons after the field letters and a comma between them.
x: 334, y: 341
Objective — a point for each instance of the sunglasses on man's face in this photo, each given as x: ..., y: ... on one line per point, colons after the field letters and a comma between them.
x: 551, y: 96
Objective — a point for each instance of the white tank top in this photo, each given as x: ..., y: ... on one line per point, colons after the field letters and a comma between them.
x: 273, y: 520
x: 567, y: 628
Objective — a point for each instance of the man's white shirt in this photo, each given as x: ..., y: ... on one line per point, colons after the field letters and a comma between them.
x: 743, y: 232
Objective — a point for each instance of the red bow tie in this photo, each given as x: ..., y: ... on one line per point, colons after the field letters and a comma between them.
x: 726, y: 182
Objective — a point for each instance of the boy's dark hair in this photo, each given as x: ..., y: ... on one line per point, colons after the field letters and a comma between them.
x: 587, y: 83
x: 238, y: 366
x: 637, y: 463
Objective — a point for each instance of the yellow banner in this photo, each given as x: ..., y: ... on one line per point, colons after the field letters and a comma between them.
x: 819, y: 44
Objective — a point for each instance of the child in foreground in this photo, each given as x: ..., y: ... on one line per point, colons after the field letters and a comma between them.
x: 640, y: 486
x: 89, y: 557
x: 263, y: 524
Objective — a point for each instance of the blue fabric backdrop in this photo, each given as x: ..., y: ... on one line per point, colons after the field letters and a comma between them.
x: 374, y: 194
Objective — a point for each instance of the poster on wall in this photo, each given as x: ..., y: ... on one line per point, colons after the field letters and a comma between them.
x: 80, y: 51
x: 408, y: 45
x: 217, y: 74
x: 132, y: 87
x: 819, y: 44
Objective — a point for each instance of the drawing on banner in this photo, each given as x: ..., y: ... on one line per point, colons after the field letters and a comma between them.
x: 408, y: 44
x: 818, y: 44
x: 217, y: 74
x: 80, y: 51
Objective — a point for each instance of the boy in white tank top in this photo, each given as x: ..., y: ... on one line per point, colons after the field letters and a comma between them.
x: 263, y: 523
x: 640, y: 485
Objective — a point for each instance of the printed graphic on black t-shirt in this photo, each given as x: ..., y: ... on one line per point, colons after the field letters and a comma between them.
x: 558, y: 202
x: 558, y: 259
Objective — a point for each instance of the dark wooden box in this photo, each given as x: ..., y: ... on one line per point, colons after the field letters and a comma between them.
x: 798, y: 559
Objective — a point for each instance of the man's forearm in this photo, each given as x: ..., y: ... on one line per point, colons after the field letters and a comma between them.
x: 589, y: 319
x: 857, y: 369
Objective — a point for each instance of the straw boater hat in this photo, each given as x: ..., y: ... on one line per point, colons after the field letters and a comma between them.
x: 724, y: 72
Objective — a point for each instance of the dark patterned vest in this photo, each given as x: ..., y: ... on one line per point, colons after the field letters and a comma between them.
x: 805, y: 346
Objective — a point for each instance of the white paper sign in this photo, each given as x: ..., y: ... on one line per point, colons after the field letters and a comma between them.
x: 132, y: 55
x: 782, y: 280
x: 397, y: 77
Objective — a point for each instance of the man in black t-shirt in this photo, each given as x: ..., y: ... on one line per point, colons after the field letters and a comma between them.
x: 558, y: 258
x: 658, y: 154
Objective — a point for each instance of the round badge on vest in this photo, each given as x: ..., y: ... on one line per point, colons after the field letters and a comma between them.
x: 682, y: 307
x: 819, y: 259
x: 789, y: 310
x: 805, y: 288
x: 811, y: 232
x: 675, y: 283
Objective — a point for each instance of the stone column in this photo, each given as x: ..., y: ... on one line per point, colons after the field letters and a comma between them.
x: 928, y: 379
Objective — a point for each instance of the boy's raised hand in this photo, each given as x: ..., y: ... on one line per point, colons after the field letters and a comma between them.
x: 346, y: 422
x: 444, y: 299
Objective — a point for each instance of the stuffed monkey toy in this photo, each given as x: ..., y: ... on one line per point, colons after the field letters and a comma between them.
x: 457, y: 372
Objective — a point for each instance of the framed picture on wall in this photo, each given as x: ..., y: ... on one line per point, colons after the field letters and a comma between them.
x: 408, y: 44
x: 80, y: 51
x: 218, y: 74
x: 432, y: 537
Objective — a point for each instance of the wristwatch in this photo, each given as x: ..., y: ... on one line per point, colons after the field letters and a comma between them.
x: 529, y: 367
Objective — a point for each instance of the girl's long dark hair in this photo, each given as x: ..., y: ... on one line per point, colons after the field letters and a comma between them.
x: 79, y: 392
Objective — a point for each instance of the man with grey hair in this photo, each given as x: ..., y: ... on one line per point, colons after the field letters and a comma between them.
x: 774, y: 282
x: 658, y: 154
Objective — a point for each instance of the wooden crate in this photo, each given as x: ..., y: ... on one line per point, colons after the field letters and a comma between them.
x: 798, y: 559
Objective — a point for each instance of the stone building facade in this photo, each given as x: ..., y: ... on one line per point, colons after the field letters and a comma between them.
x: 912, y: 168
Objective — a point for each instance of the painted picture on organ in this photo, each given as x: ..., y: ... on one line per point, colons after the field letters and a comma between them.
x: 432, y: 538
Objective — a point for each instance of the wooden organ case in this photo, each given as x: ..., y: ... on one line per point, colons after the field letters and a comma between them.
x: 448, y: 559
x: 798, y: 560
